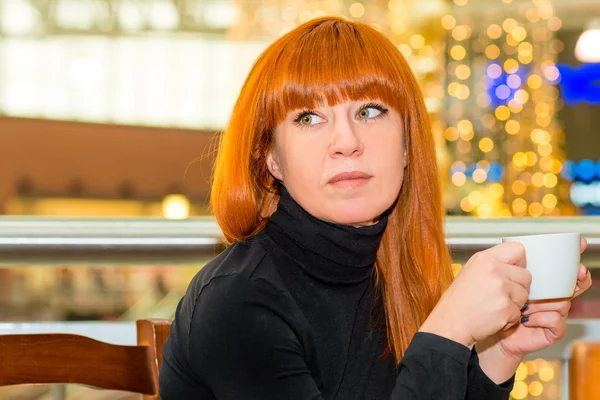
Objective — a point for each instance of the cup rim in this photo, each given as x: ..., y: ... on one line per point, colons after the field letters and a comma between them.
x: 542, y: 234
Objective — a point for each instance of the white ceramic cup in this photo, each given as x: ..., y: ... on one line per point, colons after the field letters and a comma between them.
x: 553, y: 260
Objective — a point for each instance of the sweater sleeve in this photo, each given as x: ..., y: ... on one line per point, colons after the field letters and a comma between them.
x: 480, y: 386
x: 433, y: 367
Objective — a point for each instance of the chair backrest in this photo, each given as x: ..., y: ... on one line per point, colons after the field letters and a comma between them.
x: 584, y: 371
x: 66, y: 358
x: 153, y: 333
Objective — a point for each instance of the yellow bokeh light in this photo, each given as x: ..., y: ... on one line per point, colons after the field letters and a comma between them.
x: 460, y: 32
x: 492, y: 52
x: 525, y: 58
x: 417, y: 41
x: 556, y: 167
x: 545, y: 150
x: 547, y: 372
x: 405, y: 50
x: 509, y: 24
x: 463, y: 71
x: 534, y: 81
x: 525, y: 48
x: 466, y: 205
x: 451, y: 134
x: 543, y: 120
x: 461, y: 2
x: 494, y: 31
x: 519, y: 206
x: 464, y: 127
x: 536, y: 388
x: 511, y: 66
x: 479, y: 175
x: 519, y: 187
x: 176, y: 206
x: 521, y: 96
x: 462, y: 92
x: 475, y: 197
x: 515, y: 107
x: 531, y: 158
x: 502, y: 113
x: 532, y: 367
x: 357, y: 10
x: 511, y: 41
x: 542, y: 108
x: 550, y: 180
x: 484, y: 211
x: 537, y: 179
x: 459, y: 179
x: 486, y: 145
x: 458, y: 52
x: 512, y: 127
x: 520, y: 159
x: 519, y: 33
x: 448, y: 22
x: 549, y: 201
x: 398, y: 27
x: 496, y: 190
x: 535, y: 209
x: 521, y: 373
x: 546, y: 164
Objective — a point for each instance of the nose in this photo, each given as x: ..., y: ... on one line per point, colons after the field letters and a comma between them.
x: 345, y: 140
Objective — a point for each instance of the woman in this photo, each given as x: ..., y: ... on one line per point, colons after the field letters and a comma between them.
x: 337, y: 283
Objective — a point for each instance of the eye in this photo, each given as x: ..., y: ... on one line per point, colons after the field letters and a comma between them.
x: 308, y: 119
x: 369, y: 112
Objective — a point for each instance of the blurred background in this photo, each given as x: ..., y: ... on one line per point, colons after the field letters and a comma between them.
x: 110, y: 111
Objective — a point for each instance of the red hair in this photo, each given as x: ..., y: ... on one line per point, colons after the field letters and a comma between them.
x: 329, y: 61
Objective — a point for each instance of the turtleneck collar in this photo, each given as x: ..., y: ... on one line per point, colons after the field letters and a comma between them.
x: 334, y: 249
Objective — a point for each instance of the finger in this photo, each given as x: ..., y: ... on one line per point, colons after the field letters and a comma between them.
x: 550, y: 320
x: 519, y: 296
x: 583, y: 285
x: 561, y: 307
x: 582, y: 273
x: 512, y: 253
x: 583, y: 245
x: 517, y: 275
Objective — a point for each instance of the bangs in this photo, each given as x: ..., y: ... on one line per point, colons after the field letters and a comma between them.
x: 334, y: 61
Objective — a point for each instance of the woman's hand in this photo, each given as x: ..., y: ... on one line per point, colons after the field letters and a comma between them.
x: 486, y: 297
x: 542, y: 324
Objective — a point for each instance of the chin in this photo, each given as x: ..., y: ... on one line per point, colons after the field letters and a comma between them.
x: 356, y: 216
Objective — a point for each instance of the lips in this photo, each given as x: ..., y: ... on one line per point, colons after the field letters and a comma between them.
x: 348, y: 176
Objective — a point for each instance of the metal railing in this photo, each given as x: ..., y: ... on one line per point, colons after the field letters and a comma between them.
x: 34, y: 240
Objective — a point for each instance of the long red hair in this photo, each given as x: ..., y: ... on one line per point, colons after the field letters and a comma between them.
x: 331, y: 60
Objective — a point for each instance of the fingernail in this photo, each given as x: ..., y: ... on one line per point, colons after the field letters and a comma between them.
x: 525, y: 307
x: 524, y: 319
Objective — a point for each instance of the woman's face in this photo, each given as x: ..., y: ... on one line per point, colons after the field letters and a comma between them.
x: 343, y: 164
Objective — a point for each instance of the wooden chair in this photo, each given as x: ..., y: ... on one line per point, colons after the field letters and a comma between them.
x: 584, y: 371
x: 65, y: 358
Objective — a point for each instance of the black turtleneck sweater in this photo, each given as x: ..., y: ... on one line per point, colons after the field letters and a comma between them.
x: 293, y: 314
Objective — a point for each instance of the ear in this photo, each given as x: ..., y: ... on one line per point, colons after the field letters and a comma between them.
x: 405, y: 158
x: 273, y: 166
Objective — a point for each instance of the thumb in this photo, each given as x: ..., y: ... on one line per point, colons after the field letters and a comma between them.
x: 512, y: 253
